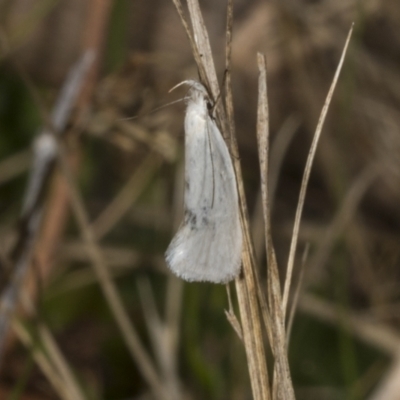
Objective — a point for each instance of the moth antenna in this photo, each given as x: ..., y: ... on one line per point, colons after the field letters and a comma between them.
x: 152, y: 111
x: 186, y: 82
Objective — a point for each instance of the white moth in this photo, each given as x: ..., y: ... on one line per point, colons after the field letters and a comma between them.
x: 208, y: 245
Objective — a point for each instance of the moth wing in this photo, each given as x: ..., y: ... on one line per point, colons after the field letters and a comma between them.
x: 208, y: 245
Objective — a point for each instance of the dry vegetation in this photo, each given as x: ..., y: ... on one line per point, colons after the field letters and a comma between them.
x: 88, y: 308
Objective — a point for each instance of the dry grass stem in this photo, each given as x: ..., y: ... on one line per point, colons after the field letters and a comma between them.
x: 228, y: 83
x: 70, y: 91
x: 250, y: 313
x: 296, y: 296
x: 60, y: 362
x: 117, y: 257
x: 282, y: 383
x: 246, y: 286
x: 57, y: 209
x: 202, y: 43
x: 53, y: 351
x: 110, y: 291
x: 347, y: 211
x: 230, y: 315
x: 279, y: 148
x: 128, y: 195
x: 195, y: 50
x: 306, y: 176
x: 389, y: 387
x: 160, y: 338
x: 32, y: 212
x: 42, y: 361
x: 161, y: 143
x: 380, y: 336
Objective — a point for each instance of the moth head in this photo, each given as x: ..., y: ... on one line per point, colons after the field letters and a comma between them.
x: 197, y: 91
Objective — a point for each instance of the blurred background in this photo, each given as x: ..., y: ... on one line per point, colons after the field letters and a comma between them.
x: 345, y: 339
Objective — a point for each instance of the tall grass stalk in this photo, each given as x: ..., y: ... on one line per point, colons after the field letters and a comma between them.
x: 258, y: 305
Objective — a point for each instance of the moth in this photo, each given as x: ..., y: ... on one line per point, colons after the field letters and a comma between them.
x: 208, y: 244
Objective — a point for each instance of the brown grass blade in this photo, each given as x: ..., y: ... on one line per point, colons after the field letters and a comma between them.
x: 279, y: 148
x: 282, y: 384
x: 247, y: 290
x: 306, y: 177
x: 228, y: 83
